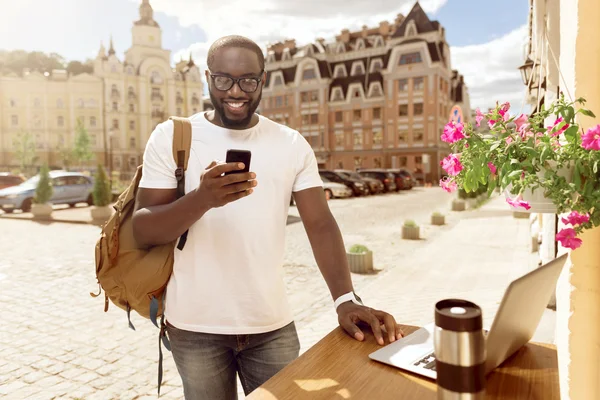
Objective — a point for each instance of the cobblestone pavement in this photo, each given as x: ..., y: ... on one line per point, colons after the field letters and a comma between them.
x: 57, y: 342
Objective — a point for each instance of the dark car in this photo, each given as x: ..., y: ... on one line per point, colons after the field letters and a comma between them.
x: 9, y: 180
x: 385, y: 177
x: 403, y: 178
x: 358, y: 186
x: 375, y: 185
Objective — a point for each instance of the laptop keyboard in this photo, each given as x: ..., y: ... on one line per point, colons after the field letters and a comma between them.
x: 427, y: 362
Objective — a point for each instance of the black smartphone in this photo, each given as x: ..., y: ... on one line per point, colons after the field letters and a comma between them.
x: 242, y: 156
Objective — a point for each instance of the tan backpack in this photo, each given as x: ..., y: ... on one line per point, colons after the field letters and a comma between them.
x: 131, y: 277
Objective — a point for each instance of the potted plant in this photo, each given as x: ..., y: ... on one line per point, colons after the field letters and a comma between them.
x: 543, y: 162
x: 410, y: 230
x: 458, y: 203
x: 41, y: 208
x: 360, y: 259
x: 102, y: 195
x: 438, y: 218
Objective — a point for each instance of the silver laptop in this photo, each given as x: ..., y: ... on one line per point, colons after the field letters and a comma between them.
x: 515, y: 323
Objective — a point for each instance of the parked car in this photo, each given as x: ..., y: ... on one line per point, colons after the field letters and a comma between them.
x: 358, y: 186
x: 335, y: 190
x: 385, y: 177
x: 8, y: 180
x: 375, y: 186
x: 69, y: 188
x: 404, y: 177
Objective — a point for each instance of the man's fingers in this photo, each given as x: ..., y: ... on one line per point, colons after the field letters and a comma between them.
x: 352, y: 329
x: 372, y: 320
x: 389, y: 322
x: 239, y: 187
x: 235, y: 178
x: 236, y: 196
x: 212, y: 164
x: 220, y: 169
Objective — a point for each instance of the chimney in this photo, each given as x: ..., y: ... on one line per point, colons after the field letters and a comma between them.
x: 345, y: 36
x: 290, y: 44
x: 365, y: 31
x: 384, y: 28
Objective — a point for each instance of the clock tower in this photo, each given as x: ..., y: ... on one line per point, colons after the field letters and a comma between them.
x: 146, y: 31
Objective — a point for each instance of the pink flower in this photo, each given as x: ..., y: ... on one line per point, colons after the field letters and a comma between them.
x: 492, y: 168
x: 558, y: 121
x: 509, y: 140
x: 591, y: 140
x: 504, y: 108
x: 521, y: 121
x: 518, y: 202
x: 453, y: 132
x: 478, y: 117
x: 466, y: 145
x: 448, y: 185
x: 576, y: 219
x: 492, y: 122
x: 568, y: 238
x: 452, y: 165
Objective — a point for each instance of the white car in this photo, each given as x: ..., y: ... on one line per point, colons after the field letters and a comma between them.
x: 335, y: 190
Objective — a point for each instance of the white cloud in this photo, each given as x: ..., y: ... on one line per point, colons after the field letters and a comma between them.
x: 491, y: 69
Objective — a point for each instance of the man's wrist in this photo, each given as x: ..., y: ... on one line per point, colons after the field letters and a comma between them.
x: 350, y: 296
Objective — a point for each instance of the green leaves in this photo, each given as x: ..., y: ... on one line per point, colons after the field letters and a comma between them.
x: 571, y: 134
x: 587, y: 113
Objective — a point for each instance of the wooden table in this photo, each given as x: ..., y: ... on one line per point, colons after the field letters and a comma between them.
x: 338, y: 367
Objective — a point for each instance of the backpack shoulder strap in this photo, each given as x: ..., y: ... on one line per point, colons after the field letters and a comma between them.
x: 182, y: 141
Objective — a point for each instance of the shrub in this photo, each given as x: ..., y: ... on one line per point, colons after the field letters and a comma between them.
x: 410, y: 224
x: 44, y: 190
x: 102, y: 194
x: 358, y: 249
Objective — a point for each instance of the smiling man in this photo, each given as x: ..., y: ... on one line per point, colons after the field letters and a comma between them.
x: 226, y: 307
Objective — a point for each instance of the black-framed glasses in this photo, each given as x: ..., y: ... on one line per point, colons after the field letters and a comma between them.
x: 224, y: 82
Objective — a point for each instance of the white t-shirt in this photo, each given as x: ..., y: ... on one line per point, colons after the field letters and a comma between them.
x: 228, y: 279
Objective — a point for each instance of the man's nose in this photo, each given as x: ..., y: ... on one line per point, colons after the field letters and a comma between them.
x: 235, y: 90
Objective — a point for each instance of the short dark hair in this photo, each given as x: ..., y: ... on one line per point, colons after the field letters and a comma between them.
x: 235, y: 41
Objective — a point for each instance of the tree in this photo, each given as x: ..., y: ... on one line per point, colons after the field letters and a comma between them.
x: 17, y: 60
x: 24, y: 149
x: 82, y: 152
x: 43, y: 190
x: 77, y: 67
x: 66, y: 156
x: 101, y: 193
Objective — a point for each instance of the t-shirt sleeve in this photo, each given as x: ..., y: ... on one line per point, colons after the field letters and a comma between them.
x: 307, y: 169
x: 158, y: 171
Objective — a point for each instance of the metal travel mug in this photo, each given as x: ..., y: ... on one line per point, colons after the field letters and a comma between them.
x: 459, y: 347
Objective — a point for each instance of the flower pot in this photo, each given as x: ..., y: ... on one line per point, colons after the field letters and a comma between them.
x: 360, y: 263
x: 535, y: 197
x: 101, y: 214
x: 471, y: 203
x: 438, y: 220
x: 41, y: 211
x: 458, y: 205
x: 410, y: 232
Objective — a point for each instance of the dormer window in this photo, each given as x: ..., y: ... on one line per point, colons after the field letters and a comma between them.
x: 309, y: 50
x: 341, y: 48
x: 376, y: 65
x: 309, y: 74
x: 375, y: 90
x: 277, y: 81
x: 337, y: 94
x: 410, y: 58
x: 271, y: 57
x: 358, y: 68
x: 286, y: 54
x: 411, y: 29
x: 340, y: 71
x: 360, y: 44
x: 378, y: 41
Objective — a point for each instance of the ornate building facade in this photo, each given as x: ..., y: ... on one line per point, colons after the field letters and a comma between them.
x: 378, y: 97
x: 119, y: 104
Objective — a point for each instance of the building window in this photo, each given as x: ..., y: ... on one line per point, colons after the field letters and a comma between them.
x: 356, y: 93
x: 403, y: 110
x: 156, y: 96
x: 59, y: 103
x: 92, y: 121
x: 340, y: 71
x: 60, y: 122
x: 357, y: 162
x: 377, y: 136
x: 306, y: 97
x: 357, y: 116
x: 310, y: 119
x: 195, y: 100
x: 115, y: 106
x: 339, y: 139
x: 410, y: 58
x: 403, y: 85
x: 156, y: 78
x: 376, y: 90
x: 418, y: 136
x: 115, y: 124
x: 194, y: 110
x: 377, y: 162
x: 338, y: 95
x: 14, y: 120
x: 377, y: 113
x: 93, y: 140
x: 401, y: 137
x: 278, y: 81
x: 278, y: 101
x: 132, y: 125
x: 358, y: 138
x: 418, y: 160
x: 418, y: 108
x: 178, y: 111
x: 376, y: 65
x: 403, y: 161
x: 418, y: 84
x: 309, y: 74
x: 13, y: 103
x: 358, y: 68
x: 131, y: 107
x: 339, y: 116
x: 132, y: 143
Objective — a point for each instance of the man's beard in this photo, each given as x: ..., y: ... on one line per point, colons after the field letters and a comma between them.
x: 230, y: 123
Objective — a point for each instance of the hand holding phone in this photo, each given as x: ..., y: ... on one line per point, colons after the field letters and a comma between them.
x: 223, y: 183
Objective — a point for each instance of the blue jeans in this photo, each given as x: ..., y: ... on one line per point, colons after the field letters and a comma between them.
x: 208, y: 363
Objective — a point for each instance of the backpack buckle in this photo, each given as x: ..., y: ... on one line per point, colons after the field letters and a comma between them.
x: 179, y: 173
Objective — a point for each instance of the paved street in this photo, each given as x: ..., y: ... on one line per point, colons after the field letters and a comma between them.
x: 58, y: 343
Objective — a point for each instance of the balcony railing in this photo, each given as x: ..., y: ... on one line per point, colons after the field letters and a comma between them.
x: 158, y: 114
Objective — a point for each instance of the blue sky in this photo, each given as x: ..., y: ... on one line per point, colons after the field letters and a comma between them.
x: 485, y: 37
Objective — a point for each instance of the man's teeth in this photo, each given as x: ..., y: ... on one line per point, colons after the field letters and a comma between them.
x: 235, y: 105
